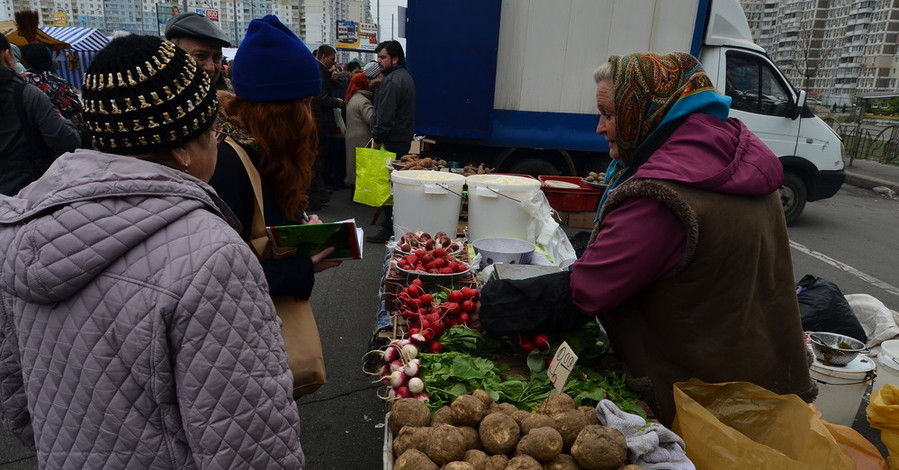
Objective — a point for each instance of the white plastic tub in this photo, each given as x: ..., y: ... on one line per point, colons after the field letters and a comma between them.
x: 494, y: 206
x: 426, y: 201
x: 841, y: 388
x: 887, y: 365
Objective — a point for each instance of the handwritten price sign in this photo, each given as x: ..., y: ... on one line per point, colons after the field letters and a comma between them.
x: 561, y: 366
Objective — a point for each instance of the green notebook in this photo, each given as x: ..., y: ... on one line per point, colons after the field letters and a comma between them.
x: 309, y: 239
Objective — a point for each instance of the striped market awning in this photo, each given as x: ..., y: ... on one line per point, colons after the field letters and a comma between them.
x: 80, y: 38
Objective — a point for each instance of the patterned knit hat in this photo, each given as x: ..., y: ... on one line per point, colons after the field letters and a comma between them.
x: 143, y: 94
x: 371, y: 70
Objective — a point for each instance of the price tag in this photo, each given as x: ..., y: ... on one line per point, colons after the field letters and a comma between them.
x: 561, y: 366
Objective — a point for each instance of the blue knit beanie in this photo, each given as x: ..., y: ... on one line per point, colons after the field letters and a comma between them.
x: 273, y: 64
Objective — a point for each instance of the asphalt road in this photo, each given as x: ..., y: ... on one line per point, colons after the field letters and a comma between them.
x: 849, y: 239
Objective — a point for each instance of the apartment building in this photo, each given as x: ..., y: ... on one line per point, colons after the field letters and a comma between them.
x: 834, y: 49
x: 313, y: 20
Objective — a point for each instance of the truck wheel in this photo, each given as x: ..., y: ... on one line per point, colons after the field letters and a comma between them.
x: 793, y: 196
x: 533, y: 167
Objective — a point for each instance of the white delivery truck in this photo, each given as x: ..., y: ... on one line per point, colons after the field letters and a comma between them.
x: 509, y: 82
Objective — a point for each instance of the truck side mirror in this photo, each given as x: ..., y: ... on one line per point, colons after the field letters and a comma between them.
x: 796, y: 111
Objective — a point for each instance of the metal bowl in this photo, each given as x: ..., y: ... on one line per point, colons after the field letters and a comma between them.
x: 833, y: 349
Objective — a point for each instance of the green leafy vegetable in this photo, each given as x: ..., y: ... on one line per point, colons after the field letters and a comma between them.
x: 466, y: 340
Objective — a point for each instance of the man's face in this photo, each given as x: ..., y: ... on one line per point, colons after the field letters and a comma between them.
x: 329, y: 60
x: 385, y: 61
x: 206, y: 53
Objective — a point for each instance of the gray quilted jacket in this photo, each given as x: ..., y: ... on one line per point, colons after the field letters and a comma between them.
x: 136, y: 330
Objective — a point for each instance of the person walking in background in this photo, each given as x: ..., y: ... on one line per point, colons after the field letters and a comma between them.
x: 136, y: 329
x: 359, y: 110
x: 270, y: 117
x: 203, y: 40
x: 393, y: 122
x: 32, y: 131
x: 324, y: 106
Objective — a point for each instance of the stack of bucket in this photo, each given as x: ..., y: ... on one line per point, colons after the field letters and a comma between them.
x: 887, y: 365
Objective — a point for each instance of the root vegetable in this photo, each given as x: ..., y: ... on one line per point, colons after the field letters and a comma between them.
x: 505, y: 408
x: 631, y: 467
x: 410, y: 438
x: 569, y: 424
x: 523, y: 462
x: 446, y: 443
x: 468, y: 410
x: 536, y: 420
x: 557, y: 403
x: 562, y: 462
x: 472, y: 439
x: 590, y: 414
x: 520, y: 415
x: 484, y: 397
x: 414, y: 460
x: 600, y: 448
x: 444, y: 415
x: 408, y: 412
x: 458, y: 465
x: 496, y: 462
x: 416, y: 385
x: 543, y: 444
x: 477, y: 458
x: 499, y: 433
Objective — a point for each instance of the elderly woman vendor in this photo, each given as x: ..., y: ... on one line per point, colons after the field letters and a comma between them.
x: 689, y: 266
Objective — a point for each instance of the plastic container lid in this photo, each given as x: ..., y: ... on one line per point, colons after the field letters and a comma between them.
x: 858, y: 367
x: 891, y: 347
x: 425, y: 176
x: 889, y: 354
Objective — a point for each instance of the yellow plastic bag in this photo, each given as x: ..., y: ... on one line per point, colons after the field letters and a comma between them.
x: 883, y: 414
x: 865, y: 455
x: 372, y: 176
x: 739, y: 425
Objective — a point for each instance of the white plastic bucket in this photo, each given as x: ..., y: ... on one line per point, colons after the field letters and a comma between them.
x: 494, y: 207
x: 426, y: 201
x: 841, y: 388
x: 887, y: 365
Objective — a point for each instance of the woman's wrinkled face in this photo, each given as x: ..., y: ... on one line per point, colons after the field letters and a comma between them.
x: 606, y: 106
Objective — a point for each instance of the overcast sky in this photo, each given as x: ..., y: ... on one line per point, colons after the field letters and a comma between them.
x: 388, y: 8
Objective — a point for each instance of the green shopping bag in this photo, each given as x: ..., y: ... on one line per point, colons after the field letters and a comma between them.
x: 372, y: 176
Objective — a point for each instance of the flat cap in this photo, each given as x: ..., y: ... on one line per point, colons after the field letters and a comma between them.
x: 194, y: 25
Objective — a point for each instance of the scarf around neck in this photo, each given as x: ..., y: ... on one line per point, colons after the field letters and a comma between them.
x: 650, y: 90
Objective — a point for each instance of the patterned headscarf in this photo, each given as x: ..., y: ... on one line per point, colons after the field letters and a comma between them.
x: 650, y: 90
x: 646, y: 88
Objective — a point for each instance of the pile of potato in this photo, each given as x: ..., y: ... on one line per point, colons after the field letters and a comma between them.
x: 473, y: 433
x: 478, y: 169
x: 594, y: 177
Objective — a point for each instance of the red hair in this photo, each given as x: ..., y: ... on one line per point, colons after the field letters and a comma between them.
x: 358, y: 82
x: 286, y: 137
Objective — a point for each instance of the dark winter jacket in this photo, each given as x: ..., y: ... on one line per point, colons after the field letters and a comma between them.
x: 393, y: 121
x: 326, y: 102
x: 287, y: 276
x: 24, y: 159
x: 136, y: 329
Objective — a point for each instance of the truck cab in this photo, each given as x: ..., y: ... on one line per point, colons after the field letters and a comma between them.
x: 810, y: 151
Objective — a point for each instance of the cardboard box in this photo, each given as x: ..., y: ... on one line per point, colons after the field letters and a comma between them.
x: 420, y: 146
x: 577, y: 219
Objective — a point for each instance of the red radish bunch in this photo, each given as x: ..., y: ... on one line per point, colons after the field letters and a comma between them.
x: 399, y: 371
x: 427, y: 318
x: 529, y: 343
x: 411, y: 242
x: 435, y: 261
